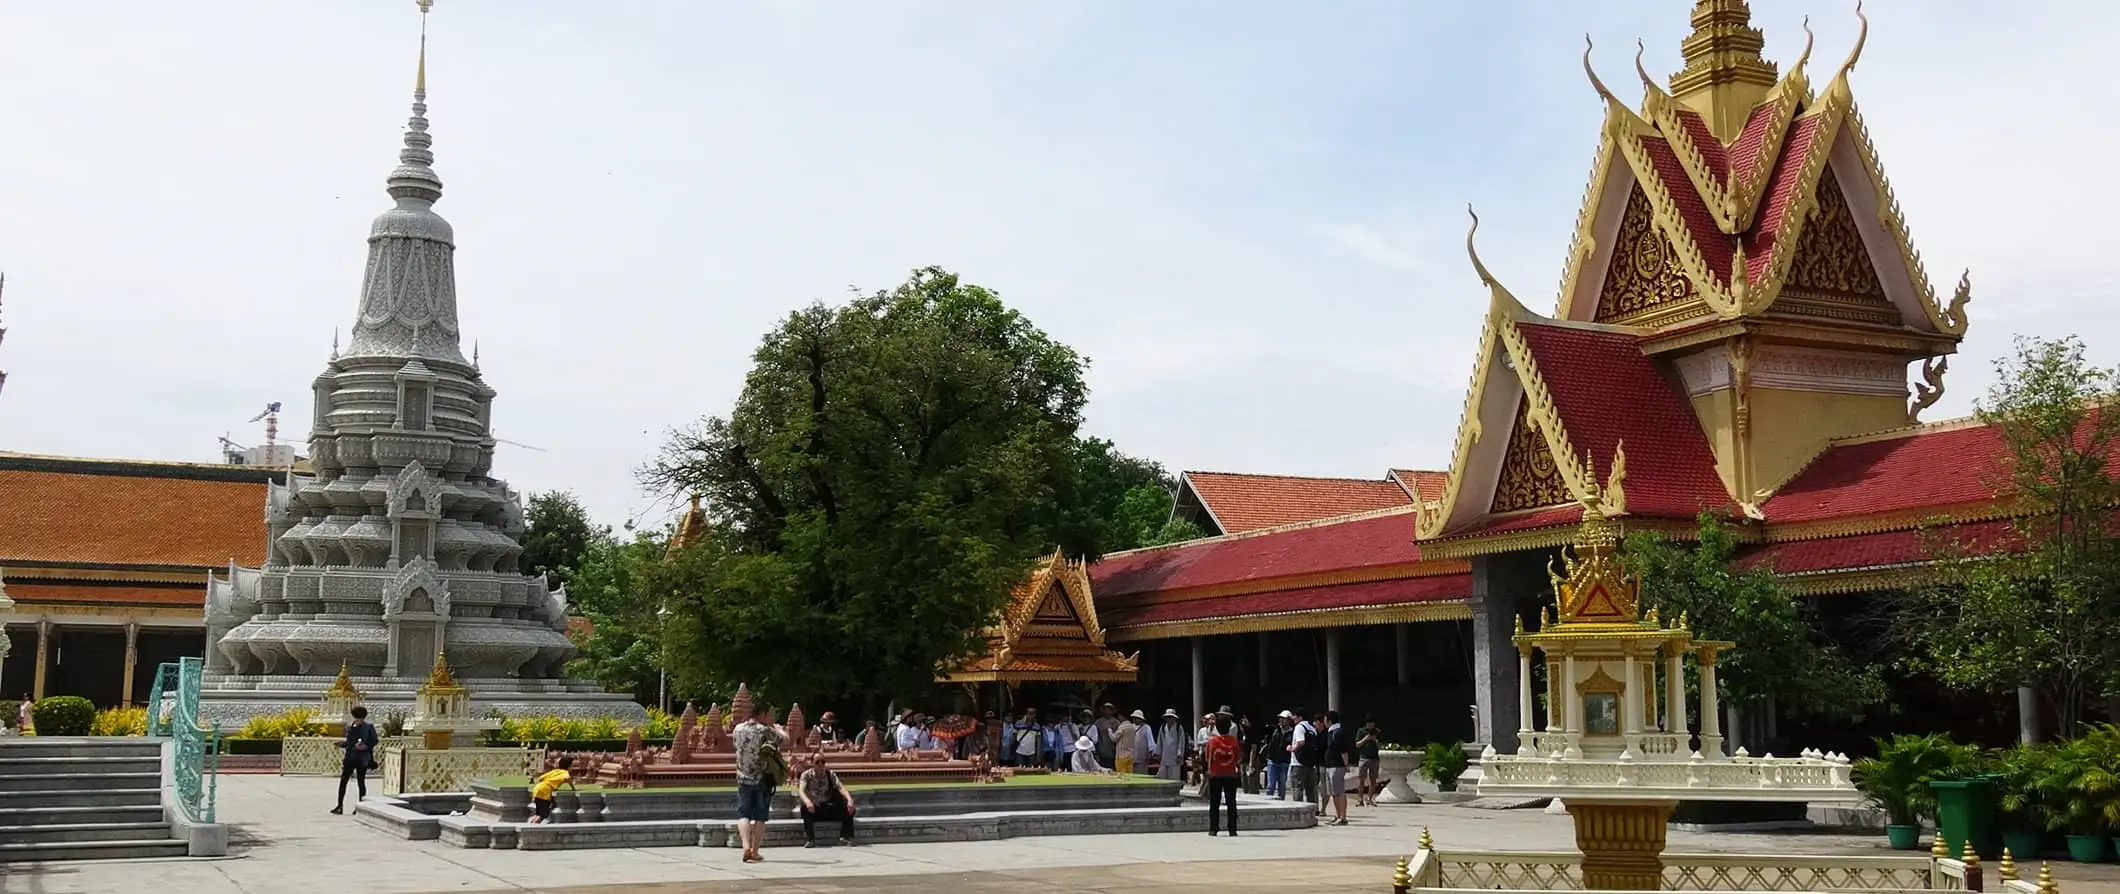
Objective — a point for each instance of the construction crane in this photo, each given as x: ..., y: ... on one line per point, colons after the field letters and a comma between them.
x: 271, y: 415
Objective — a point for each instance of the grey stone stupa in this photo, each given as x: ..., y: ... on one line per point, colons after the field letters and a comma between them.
x: 400, y: 544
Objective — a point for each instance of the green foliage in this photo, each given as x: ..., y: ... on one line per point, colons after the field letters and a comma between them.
x: 2045, y: 613
x: 2018, y: 799
x: 623, y: 646
x: 1442, y: 764
x: 1144, y: 518
x: 559, y: 533
x: 63, y: 715
x: 889, y: 473
x: 2079, y: 783
x: 119, y: 722
x: 556, y: 729
x: 1117, y: 502
x: 1897, y: 779
x: 1779, y: 654
x: 293, y: 722
x: 1177, y: 530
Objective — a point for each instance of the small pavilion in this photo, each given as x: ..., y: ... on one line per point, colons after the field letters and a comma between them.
x: 1048, y: 633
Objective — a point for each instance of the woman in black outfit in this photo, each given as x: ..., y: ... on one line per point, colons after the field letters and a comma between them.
x: 359, y: 758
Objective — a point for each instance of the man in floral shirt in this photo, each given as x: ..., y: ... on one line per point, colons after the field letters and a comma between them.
x: 754, y: 792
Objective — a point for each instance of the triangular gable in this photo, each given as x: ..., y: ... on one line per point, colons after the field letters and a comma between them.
x: 1529, y: 478
x: 1054, y: 605
x: 1732, y: 218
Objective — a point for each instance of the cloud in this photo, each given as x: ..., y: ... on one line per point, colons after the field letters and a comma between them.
x: 1248, y: 220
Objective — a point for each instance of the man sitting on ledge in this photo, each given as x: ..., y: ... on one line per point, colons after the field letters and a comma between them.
x: 824, y: 797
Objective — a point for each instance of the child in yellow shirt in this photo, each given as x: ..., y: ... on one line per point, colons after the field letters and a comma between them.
x: 541, y: 792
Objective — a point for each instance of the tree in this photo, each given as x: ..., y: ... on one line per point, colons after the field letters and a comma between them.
x: 1114, y: 498
x: 2040, y: 606
x: 559, y: 533
x: 623, y: 646
x: 1781, y: 659
x: 1144, y: 518
x: 889, y: 473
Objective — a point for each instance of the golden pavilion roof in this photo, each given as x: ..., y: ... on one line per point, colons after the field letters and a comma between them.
x: 1048, y: 631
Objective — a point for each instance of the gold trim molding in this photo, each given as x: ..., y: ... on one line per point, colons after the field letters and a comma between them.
x: 1403, y: 613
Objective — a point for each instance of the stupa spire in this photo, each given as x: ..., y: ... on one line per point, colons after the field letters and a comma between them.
x: 408, y: 301
x: 1724, y: 75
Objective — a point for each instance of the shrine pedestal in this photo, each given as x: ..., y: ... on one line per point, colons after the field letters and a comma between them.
x: 1622, y: 843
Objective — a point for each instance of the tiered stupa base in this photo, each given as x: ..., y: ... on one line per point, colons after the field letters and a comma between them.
x: 234, y: 699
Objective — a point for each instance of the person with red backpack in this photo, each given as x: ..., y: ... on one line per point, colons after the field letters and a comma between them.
x: 1223, y: 774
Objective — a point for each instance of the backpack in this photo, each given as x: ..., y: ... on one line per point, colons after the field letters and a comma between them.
x: 1222, y: 756
x: 1312, y: 752
x: 772, y: 766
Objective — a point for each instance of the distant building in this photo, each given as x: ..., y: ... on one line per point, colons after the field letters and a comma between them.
x: 106, y: 560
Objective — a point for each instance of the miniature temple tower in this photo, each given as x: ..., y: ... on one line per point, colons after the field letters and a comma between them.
x: 443, y: 709
x: 339, y: 702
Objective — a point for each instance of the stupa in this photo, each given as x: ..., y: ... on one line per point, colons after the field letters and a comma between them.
x: 400, y: 543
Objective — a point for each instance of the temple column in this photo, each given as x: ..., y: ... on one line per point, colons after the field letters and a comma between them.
x: 1265, y: 658
x: 1404, y: 653
x: 132, y: 661
x: 1494, y: 675
x: 1554, y: 722
x: 44, y: 653
x: 1571, y: 722
x: 1523, y: 700
x: 1630, y: 706
x: 1332, y: 668
x: 1710, y: 706
x: 1199, y: 679
x: 1675, y: 695
x: 2028, y: 715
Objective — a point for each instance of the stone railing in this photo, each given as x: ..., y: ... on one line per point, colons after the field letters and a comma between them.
x: 1545, y: 743
x: 320, y: 755
x: 412, y: 770
x: 1802, y: 778
x: 1437, y: 872
x: 1662, y: 746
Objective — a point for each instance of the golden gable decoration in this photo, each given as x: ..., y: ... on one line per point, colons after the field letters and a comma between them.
x: 1048, y: 632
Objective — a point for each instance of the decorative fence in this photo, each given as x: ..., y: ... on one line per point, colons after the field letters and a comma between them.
x: 321, y: 755
x: 197, y: 765
x: 1430, y: 871
x: 408, y: 770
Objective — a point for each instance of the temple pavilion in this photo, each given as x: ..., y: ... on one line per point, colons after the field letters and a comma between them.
x: 1048, y: 633
x: 1742, y: 326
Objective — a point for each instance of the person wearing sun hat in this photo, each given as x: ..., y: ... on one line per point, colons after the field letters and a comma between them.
x: 1085, y: 759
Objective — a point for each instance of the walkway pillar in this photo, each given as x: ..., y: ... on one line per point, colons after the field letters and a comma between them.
x: 44, y: 653
x: 1675, y: 696
x: 1199, y: 679
x: 1405, y: 654
x: 1332, y: 668
x: 1710, y: 706
x: 1494, y: 665
x: 132, y: 661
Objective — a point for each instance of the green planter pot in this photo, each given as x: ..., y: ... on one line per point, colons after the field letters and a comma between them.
x: 2087, y: 848
x: 1903, y: 838
x: 2021, y: 845
x: 1965, y: 813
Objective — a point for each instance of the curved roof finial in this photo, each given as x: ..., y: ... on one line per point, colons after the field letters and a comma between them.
x: 1486, y: 278
x: 1809, y: 39
x: 1861, y: 37
x: 1590, y: 70
x: 1641, y: 70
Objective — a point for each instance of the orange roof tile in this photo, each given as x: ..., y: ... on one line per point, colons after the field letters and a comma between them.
x: 34, y: 595
x: 1241, y: 503
x: 107, y: 512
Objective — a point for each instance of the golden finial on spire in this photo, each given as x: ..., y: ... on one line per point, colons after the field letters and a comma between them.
x: 1939, y: 850
x: 1642, y: 71
x: 1862, y: 37
x: 2008, y: 868
x: 419, y: 84
x: 1809, y: 39
x: 343, y: 686
x: 1596, y: 83
x: 1427, y: 843
x: 440, y: 677
x: 2046, y: 879
x: 1724, y: 75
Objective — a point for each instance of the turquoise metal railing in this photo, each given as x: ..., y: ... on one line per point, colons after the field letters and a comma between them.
x: 198, y: 749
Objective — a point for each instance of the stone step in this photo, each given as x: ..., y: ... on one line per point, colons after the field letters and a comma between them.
x: 93, y: 850
x: 15, y: 748
x: 74, y: 782
x: 30, y: 766
x: 76, y: 815
x: 76, y: 832
x: 150, y: 796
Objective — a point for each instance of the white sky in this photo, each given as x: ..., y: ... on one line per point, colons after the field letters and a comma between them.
x: 1248, y: 213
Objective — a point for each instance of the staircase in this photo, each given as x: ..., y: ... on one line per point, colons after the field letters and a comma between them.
x: 82, y: 799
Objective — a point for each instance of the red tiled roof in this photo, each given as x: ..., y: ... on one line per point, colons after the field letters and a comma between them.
x: 108, y: 517
x: 1340, y: 596
x: 1608, y: 392
x: 1714, y: 246
x: 1528, y: 520
x: 1243, y: 503
x: 1781, y: 194
x: 1750, y: 150
x: 1428, y: 486
x: 95, y: 594
x: 1936, y: 467
x: 1361, y: 542
x: 1882, y: 550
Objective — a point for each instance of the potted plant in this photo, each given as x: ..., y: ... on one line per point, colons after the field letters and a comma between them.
x: 2019, y: 811
x: 1443, y: 764
x: 2080, y: 787
x: 1897, y: 780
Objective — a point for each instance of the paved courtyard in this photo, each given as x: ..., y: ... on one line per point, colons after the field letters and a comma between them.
x: 285, y: 841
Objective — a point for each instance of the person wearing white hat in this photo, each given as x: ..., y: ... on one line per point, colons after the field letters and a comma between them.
x: 1275, y: 750
x: 1085, y: 757
x: 1173, y: 744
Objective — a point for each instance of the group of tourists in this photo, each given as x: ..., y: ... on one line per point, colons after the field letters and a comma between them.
x: 1312, y: 756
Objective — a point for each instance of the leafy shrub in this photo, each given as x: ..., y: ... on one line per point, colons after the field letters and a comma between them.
x: 571, y: 729
x: 63, y: 715
x: 1443, y: 764
x: 1898, y: 778
x: 119, y: 722
x: 2079, y: 783
x: 661, y: 725
x: 293, y: 722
